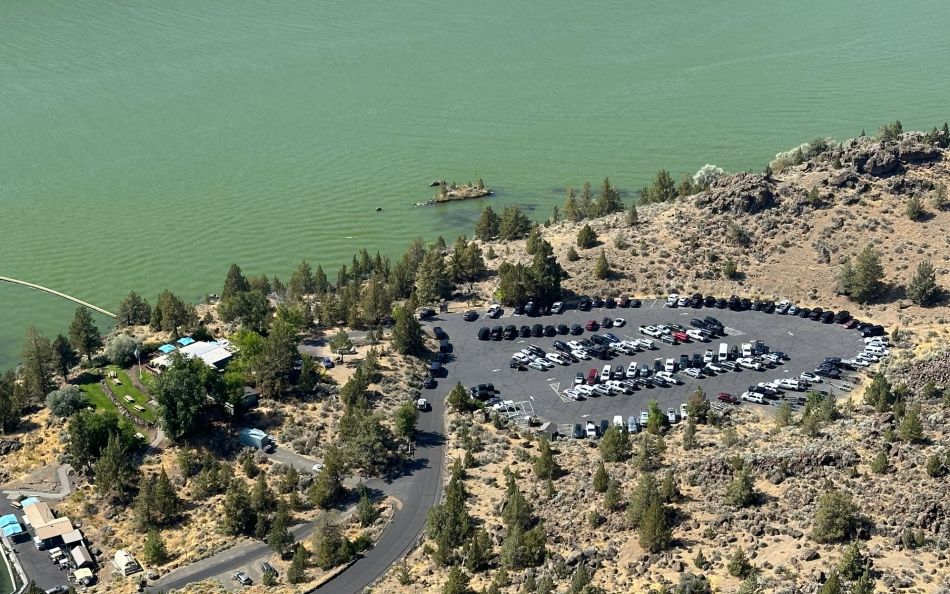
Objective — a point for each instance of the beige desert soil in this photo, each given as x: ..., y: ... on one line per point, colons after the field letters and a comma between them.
x: 794, y: 252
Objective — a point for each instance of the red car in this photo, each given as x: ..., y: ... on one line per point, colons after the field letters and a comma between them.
x: 680, y: 336
x: 592, y: 377
x: 592, y: 325
x: 728, y: 398
x: 850, y: 324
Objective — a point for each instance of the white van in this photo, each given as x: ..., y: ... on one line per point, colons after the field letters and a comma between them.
x: 747, y: 349
x: 672, y: 300
x: 618, y: 421
x: 876, y: 349
x: 605, y: 373
x: 723, y: 351
x: 670, y: 366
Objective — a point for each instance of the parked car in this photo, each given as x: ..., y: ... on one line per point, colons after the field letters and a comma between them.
x: 619, y: 322
x: 672, y: 300
x: 470, y: 316
x: 810, y: 377
x: 610, y: 303
x: 727, y: 398
x: 557, y: 307
x: 578, y: 431
x: 592, y: 326
x: 483, y: 333
x: 550, y: 331
x: 584, y: 304
x: 243, y: 578
x: 606, y: 323
x: 563, y: 329
x: 635, y: 303
x: 576, y: 330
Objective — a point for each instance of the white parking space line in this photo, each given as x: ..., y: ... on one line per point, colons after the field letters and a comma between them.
x: 496, y: 370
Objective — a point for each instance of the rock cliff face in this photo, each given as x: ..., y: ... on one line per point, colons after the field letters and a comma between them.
x: 880, y: 158
x: 748, y: 193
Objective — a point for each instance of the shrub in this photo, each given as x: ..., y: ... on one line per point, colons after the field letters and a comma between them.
x: 706, y: 175
x: 879, y: 465
x: 741, y: 491
x: 836, y: 518
x: 739, y: 565
x: 915, y: 208
x: 939, y: 200
x: 586, y: 237
x: 121, y: 349
x: 66, y: 401
x: 923, y: 289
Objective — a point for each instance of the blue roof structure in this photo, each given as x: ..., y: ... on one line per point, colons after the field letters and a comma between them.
x: 12, y: 529
x: 185, y: 341
x: 7, y: 520
x: 29, y: 501
x: 167, y: 348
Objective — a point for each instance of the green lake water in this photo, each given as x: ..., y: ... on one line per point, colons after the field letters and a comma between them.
x: 146, y: 145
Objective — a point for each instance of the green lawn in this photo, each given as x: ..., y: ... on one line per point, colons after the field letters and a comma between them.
x: 89, y: 383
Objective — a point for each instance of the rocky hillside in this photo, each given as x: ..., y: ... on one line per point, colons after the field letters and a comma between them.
x: 886, y: 468
x: 787, y: 233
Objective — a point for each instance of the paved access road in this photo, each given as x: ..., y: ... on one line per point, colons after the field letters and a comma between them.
x: 417, y: 489
x: 806, y: 342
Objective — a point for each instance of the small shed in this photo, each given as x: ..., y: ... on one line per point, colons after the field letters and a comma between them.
x: 125, y: 563
x: 73, y: 538
x: 255, y: 438
x: 84, y: 576
x: 167, y: 348
x: 82, y: 557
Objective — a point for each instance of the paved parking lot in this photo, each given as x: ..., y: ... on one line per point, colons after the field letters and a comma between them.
x: 806, y: 343
x: 35, y: 563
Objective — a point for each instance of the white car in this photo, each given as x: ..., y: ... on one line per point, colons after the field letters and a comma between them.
x: 772, y: 358
x: 782, y: 306
x: 683, y: 412
x: 670, y: 365
x: 422, y: 404
x: 633, y: 345
x: 672, y: 300
x: 619, y: 322
x: 591, y: 430
x: 585, y: 389
x: 683, y: 302
x: 753, y: 397
x: 632, y: 370
x: 788, y: 383
x: 556, y: 358
x: 536, y: 364
x: 715, y: 367
x: 581, y: 354
x: 644, y: 417
x: 793, y: 310
x: 619, y: 386
x: 857, y: 362
x: 876, y: 340
x: 520, y: 357
x: 696, y: 335
x: 671, y: 415
x: 693, y: 373
x: 669, y: 377
x: 868, y: 357
x: 572, y: 393
x: 810, y: 377
x: 574, y: 344
x: 708, y: 356
x: 749, y: 363
x: 650, y: 331
x: 646, y: 343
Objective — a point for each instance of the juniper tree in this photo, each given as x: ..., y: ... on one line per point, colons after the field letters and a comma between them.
x: 601, y: 478
x: 923, y: 289
x: 602, y: 267
x: 586, y: 237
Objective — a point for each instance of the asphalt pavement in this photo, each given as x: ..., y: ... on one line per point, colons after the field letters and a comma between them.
x: 806, y: 342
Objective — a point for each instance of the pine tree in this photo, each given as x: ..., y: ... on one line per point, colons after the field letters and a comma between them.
x: 262, y: 497
x: 516, y: 510
x: 297, y: 572
x: 864, y: 584
x: 432, y: 280
x: 923, y: 289
x: 654, y: 530
x: 366, y: 510
x: 836, y: 517
x: 478, y: 552
x: 154, y: 548
x: 853, y: 563
x: 741, y: 491
x: 533, y: 242
x: 36, y: 367
x: 689, y: 436
x: 279, y: 538
x: 64, y: 356
x: 601, y: 478
x: 879, y: 393
x: 879, y: 464
x: 586, y: 238
x: 115, y: 472
x: 555, y: 215
x: 911, y: 429
x: 613, y: 496
x: 572, y: 254
x: 165, y: 496
x: 235, y: 282
x: 544, y: 465
x: 143, y: 506
x: 586, y: 206
x: 237, y: 515
x: 488, y: 226
x: 832, y: 585
x: 602, y: 267
x: 669, y: 491
x: 644, y: 494
x: 615, y: 445
x: 867, y: 279
x: 572, y: 211
x: 633, y: 217
x: 331, y: 548
x: 457, y: 582
x: 407, y: 336
x: 133, y: 310
x: 83, y: 334
x: 514, y: 224
x: 739, y: 565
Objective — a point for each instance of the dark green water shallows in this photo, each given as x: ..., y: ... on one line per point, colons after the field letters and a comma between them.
x: 149, y: 144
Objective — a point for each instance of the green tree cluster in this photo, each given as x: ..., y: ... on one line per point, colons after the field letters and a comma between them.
x: 134, y: 310
x: 862, y: 281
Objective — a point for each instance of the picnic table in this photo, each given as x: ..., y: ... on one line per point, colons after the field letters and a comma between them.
x: 116, y: 381
x: 129, y: 399
x: 139, y: 408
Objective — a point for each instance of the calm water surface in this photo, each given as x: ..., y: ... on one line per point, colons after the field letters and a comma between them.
x: 149, y: 144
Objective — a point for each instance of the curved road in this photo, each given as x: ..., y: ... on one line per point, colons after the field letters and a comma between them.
x: 418, y: 488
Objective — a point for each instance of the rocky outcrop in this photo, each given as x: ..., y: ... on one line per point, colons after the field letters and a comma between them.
x: 8, y: 446
x: 879, y: 158
x: 738, y: 193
